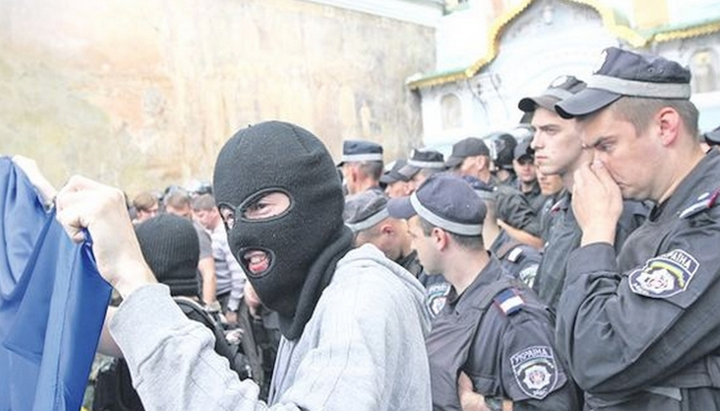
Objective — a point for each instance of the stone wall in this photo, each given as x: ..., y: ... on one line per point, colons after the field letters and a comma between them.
x: 142, y: 93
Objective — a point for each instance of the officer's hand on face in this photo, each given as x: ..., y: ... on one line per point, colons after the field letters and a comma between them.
x: 597, y: 203
x: 86, y: 204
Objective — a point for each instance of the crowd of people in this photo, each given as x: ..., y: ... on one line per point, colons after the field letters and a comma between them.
x: 569, y: 263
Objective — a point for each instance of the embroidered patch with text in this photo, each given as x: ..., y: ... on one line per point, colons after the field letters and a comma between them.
x: 665, y: 275
x: 535, y: 371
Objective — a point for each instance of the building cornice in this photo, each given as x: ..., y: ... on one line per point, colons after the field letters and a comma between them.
x: 634, y: 38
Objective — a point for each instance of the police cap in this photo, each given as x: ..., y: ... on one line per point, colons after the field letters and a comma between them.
x: 626, y: 73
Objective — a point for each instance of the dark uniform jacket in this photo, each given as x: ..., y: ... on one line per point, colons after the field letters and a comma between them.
x: 534, y: 197
x: 643, y: 332
x: 518, y: 259
x: 436, y: 288
x: 564, y: 236
x: 499, y: 334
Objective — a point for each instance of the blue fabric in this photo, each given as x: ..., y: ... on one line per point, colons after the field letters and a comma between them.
x: 52, y: 303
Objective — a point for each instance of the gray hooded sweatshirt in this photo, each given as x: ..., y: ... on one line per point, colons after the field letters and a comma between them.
x: 363, y: 348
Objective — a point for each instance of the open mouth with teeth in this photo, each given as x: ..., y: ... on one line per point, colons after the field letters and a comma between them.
x: 256, y: 261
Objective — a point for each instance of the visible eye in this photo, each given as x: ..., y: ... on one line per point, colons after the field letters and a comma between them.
x: 256, y: 210
x: 268, y: 205
x: 604, y: 147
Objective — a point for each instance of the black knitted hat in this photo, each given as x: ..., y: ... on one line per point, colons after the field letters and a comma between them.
x: 171, y: 248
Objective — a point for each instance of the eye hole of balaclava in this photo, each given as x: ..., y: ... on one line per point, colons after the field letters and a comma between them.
x: 265, y: 205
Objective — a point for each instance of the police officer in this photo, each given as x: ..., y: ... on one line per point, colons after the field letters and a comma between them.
x: 502, y: 148
x: 558, y: 150
x: 641, y: 331
x: 361, y: 165
x: 422, y: 164
x: 397, y: 184
x: 518, y: 259
x: 493, y: 329
x: 527, y: 182
x: 471, y: 159
x: 367, y: 216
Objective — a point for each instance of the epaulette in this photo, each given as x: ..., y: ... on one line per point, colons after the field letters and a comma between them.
x: 509, y: 301
x: 515, y: 254
x: 705, y: 202
x: 556, y: 207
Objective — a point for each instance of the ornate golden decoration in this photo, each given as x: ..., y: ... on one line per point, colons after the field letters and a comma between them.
x: 620, y: 30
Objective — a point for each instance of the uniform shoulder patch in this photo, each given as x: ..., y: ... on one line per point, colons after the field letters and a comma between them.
x: 509, y: 301
x: 535, y: 370
x: 665, y: 275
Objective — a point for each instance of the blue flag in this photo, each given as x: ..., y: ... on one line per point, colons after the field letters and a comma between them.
x: 52, y: 303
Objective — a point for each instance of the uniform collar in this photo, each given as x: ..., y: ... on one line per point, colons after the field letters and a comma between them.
x: 491, y: 273
x: 693, y: 185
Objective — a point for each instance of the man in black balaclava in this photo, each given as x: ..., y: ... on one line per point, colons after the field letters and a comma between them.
x: 287, y: 278
x: 353, y: 322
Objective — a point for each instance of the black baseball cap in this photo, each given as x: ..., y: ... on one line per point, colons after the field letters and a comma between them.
x: 394, y: 175
x: 446, y: 201
x: 468, y: 147
x: 361, y: 150
x: 626, y: 73
x: 559, y: 89
x: 423, y: 159
x: 364, y: 210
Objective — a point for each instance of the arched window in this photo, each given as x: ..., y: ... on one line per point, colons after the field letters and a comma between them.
x: 451, y: 109
x: 704, y: 67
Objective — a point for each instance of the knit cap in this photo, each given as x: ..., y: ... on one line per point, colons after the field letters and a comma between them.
x: 171, y: 248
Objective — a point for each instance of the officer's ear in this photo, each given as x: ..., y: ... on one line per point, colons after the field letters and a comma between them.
x: 668, y: 120
x: 440, y: 238
x: 387, y: 228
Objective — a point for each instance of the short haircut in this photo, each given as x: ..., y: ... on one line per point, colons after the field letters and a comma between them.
x: 368, y: 234
x: 372, y: 169
x: 470, y: 242
x: 177, y: 199
x: 203, y: 202
x: 144, y: 201
x: 638, y: 111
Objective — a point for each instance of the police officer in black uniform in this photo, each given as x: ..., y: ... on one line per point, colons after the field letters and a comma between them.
x: 367, y: 216
x: 641, y: 329
x: 518, y: 259
x: 422, y: 164
x: 559, y: 151
x: 361, y: 166
x: 493, y: 328
x: 396, y: 184
x: 527, y: 183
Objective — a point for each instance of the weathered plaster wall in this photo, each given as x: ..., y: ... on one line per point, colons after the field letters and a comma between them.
x: 142, y: 93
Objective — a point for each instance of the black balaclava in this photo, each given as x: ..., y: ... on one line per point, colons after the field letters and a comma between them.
x: 304, y: 242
